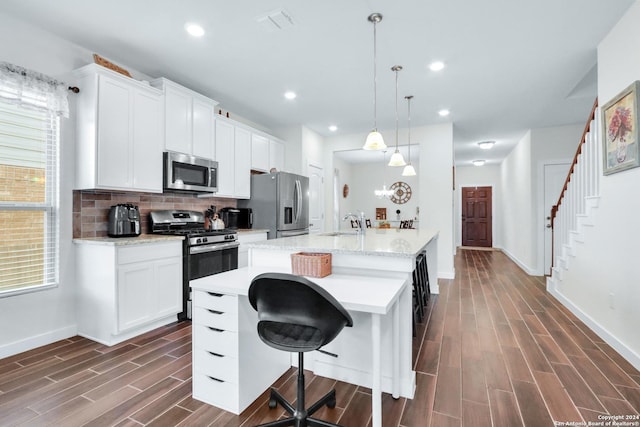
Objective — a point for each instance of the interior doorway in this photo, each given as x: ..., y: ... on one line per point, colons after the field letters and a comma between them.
x: 477, y: 217
x: 316, y: 198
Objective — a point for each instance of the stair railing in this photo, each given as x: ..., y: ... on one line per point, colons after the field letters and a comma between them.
x: 582, y: 182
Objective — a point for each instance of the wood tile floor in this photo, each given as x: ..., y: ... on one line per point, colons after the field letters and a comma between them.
x: 496, y: 351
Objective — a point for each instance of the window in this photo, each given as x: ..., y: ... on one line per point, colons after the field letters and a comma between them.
x: 28, y: 197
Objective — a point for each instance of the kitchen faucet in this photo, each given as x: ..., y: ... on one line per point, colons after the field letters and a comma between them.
x: 358, y: 219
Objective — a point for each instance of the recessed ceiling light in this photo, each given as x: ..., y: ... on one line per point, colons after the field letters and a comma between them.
x: 436, y: 66
x: 290, y: 95
x: 486, y: 145
x: 194, y: 29
x: 333, y: 128
x: 478, y: 162
x: 444, y: 112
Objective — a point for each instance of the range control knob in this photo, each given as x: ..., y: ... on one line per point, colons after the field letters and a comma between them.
x: 205, y: 240
x: 198, y: 240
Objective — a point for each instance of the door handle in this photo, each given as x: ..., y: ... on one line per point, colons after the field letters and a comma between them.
x: 548, y: 225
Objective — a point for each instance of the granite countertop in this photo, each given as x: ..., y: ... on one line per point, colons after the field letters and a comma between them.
x: 381, y: 242
x: 121, y: 241
x: 252, y: 230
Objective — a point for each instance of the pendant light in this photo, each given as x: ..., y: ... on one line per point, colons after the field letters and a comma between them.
x: 384, y: 193
x: 374, y: 139
x: 408, y: 169
x: 396, y: 157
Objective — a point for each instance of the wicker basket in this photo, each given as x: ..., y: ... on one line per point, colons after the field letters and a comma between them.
x: 311, y: 264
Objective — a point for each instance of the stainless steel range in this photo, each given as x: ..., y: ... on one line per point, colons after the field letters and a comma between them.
x: 205, y: 252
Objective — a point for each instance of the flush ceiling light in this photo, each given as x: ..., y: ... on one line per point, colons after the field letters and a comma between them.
x: 290, y: 95
x: 409, y: 169
x: 444, y: 112
x: 396, y: 157
x: 374, y: 139
x: 436, y: 66
x: 194, y: 29
x: 478, y: 162
x: 486, y: 145
x: 333, y: 128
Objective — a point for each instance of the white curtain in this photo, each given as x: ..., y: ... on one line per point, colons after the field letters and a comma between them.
x: 33, y: 90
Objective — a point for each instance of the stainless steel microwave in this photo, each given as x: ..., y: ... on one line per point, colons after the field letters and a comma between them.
x: 183, y: 172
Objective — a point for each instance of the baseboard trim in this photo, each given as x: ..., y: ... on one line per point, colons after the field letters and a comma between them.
x: 523, y: 266
x: 38, y: 341
x: 609, y: 338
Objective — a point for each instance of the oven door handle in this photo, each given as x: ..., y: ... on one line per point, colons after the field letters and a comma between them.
x: 213, y: 248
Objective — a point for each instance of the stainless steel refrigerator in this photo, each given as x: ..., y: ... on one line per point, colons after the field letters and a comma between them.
x: 280, y: 204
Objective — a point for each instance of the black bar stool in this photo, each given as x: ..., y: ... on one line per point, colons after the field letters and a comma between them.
x: 296, y: 315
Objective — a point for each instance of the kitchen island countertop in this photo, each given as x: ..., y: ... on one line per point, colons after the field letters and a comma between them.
x: 400, y: 243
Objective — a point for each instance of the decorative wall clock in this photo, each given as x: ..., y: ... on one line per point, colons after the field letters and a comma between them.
x: 401, y: 192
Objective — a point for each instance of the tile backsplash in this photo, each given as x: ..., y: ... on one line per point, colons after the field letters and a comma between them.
x: 91, y: 208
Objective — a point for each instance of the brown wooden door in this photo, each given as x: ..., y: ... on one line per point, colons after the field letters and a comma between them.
x: 476, y: 216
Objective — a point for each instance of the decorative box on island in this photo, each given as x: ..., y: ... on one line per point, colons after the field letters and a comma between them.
x: 311, y: 264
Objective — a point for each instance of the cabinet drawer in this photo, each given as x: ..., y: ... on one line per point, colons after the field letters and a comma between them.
x: 216, y: 319
x: 218, y: 393
x: 148, y: 252
x: 218, y: 302
x: 215, y: 365
x: 215, y: 340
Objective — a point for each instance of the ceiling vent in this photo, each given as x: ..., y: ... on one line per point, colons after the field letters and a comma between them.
x: 277, y: 20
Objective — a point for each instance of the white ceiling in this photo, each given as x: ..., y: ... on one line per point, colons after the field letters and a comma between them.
x: 510, y: 65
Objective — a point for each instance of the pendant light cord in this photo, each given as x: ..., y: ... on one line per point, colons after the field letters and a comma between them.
x: 409, y: 124
x: 397, y: 109
x: 375, y: 91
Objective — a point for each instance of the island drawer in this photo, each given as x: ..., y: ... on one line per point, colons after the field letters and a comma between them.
x: 216, y: 365
x: 222, y: 394
x: 214, y: 301
x: 215, y: 340
x: 216, y: 319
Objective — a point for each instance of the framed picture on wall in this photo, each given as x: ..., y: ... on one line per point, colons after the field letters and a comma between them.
x: 620, y: 131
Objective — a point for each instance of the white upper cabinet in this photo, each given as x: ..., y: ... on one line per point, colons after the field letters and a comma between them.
x: 225, y: 156
x: 259, y: 152
x: 242, y: 184
x: 119, y: 132
x: 189, y: 120
x: 266, y: 153
x: 233, y: 154
x: 276, y: 155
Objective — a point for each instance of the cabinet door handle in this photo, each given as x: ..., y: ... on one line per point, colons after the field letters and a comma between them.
x: 215, y: 354
x: 216, y: 379
x: 215, y: 312
x: 215, y: 329
x: 213, y: 294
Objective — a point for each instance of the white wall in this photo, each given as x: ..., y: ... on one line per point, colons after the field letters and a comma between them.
x: 345, y: 177
x: 517, y: 227
x: 38, y: 318
x: 480, y: 176
x: 602, y: 283
x: 435, y: 178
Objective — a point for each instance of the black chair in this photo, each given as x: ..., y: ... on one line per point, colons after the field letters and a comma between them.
x: 296, y: 315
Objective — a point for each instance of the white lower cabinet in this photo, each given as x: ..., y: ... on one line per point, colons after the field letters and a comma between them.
x: 231, y: 365
x: 126, y: 290
x: 243, y: 251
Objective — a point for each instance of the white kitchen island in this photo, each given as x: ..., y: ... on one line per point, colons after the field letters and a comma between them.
x: 371, y: 276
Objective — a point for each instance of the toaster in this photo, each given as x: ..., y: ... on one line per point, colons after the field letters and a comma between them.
x: 124, y: 221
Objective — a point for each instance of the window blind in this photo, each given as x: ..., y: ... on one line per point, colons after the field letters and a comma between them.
x: 29, y: 238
